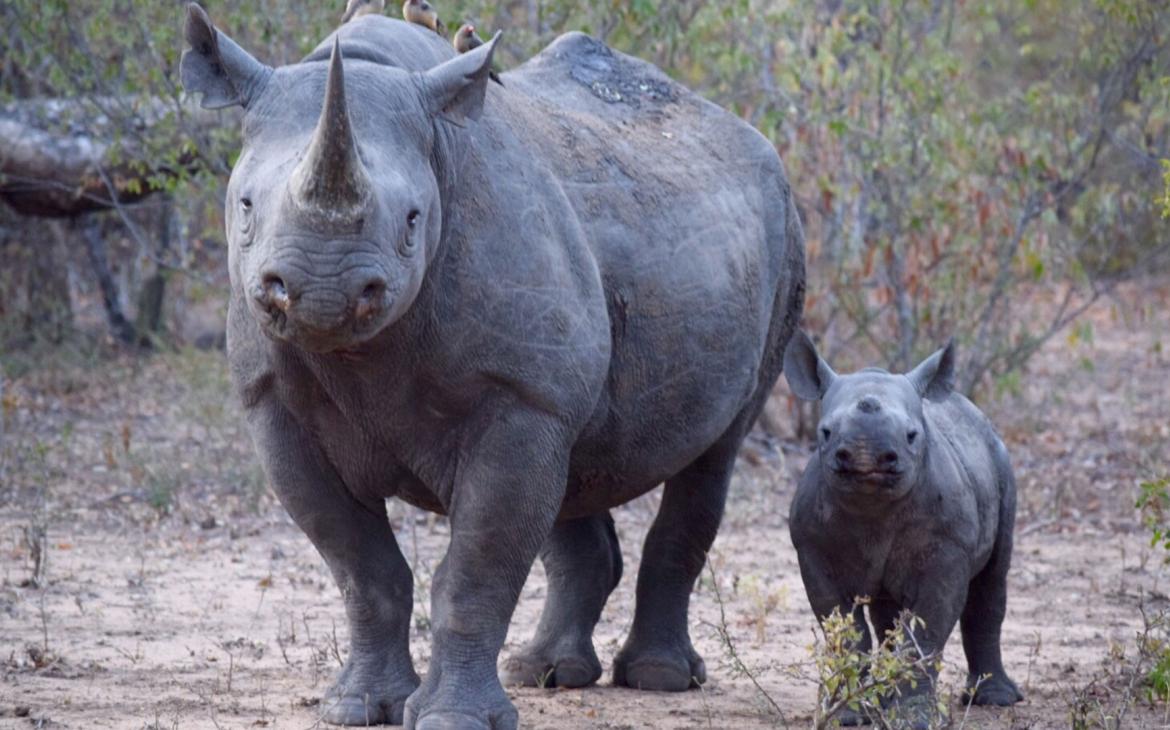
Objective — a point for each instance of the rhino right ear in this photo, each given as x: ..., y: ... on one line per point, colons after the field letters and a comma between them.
x: 808, y: 375
x: 216, y: 67
x: 934, y: 378
x: 455, y: 89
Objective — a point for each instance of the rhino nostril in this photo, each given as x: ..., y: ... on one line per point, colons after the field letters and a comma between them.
x: 373, y: 290
x: 275, y: 295
x: 888, y: 458
x: 371, y: 299
x: 844, y: 457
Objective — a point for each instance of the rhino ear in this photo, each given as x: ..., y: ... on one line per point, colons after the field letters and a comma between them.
x: 808, y: 375
x: 455, y: 89
x: 934, y: 378
x: 216, y: 67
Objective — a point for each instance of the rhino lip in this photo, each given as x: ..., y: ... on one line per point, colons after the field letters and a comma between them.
x: 884, y: 477
x: 864, y: 472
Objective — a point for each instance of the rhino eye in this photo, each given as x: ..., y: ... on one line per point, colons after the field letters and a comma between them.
x: 412, y: 219
x: 826, y: 433
x: 911, y: 436
x: 247, y: 220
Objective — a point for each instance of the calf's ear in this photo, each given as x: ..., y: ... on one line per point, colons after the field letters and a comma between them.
x: 808, y: 375
x: 934, y: 378
x: 214, y: 66
x: 455, y: 89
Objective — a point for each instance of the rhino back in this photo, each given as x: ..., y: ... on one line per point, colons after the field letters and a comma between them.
x: 687, y: 214
x: 387, y: 41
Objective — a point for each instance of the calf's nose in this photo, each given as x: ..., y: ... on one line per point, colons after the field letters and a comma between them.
x: 844, y: 458
x: 888, y: 459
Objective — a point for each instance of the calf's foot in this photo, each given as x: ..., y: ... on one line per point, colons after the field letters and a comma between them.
x: 564, y: 664
x: 996, y: 689
x: 852, y: 718
x: 915, y: 712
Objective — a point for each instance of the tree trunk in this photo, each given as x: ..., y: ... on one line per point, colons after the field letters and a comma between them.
x: 95, y: 245
x: 34, y: 287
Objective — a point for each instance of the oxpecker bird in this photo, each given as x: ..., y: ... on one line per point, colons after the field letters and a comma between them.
x: 423, y: 13
x: 466, y: 39
x: 358, y: 8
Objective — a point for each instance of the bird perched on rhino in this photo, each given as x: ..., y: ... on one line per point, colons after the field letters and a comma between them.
x: 423, y: 13
x: 358, y: 8
x: 466, y: 39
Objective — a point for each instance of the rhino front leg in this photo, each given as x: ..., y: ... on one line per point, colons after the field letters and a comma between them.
x: 583, y: 562
x: 825, y: 596
x: 658, y: 654
x: 360, y: 549
x: 987, y: 681
x: 507, y: 492
x: 939, y: 597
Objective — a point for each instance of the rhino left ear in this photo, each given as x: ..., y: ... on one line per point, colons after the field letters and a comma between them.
x: 455, y: 89
x: 808, y: 375
x: 214, y: 66
x: 934, y: 378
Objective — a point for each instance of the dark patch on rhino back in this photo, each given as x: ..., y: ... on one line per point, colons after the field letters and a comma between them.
x: 612, y: 77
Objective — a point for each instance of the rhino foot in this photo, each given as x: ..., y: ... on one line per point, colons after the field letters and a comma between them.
x: 361, y: 711
x: 367, y: 698
x: 459, y: 704
x: 452, y: 721
x: 997, y: 690
x: 852, y: 718
x: 659, y: 670
x: 540, y: 667
x: 914, y: 712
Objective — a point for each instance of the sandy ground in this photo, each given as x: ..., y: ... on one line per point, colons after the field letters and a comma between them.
x: 179, y: 595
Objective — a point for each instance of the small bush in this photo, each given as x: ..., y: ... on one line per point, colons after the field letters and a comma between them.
x: 867, y: 683
x: 1154, y: 502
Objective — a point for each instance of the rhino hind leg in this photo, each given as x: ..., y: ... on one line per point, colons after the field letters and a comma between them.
x: 982, y: 619
x: 583, y: 562
x: 658, y: 654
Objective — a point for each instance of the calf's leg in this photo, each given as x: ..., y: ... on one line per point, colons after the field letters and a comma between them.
x: 983, y: 614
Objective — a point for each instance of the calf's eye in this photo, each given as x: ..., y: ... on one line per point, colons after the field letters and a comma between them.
x: 911, y: 436
x: 412, y: 219
x: 826, y: 433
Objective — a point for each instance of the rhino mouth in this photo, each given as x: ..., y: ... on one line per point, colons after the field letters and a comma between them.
x: 876, y: 472
x: 876, y: 478
x: 348, y: 336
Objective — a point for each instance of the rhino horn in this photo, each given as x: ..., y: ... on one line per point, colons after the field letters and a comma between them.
x: 330, y: 183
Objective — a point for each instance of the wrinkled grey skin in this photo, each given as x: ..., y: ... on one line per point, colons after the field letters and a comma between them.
x: 518, y: 306
x: 909, y: 500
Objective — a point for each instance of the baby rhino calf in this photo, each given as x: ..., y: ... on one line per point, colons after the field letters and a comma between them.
x: 909, y: 500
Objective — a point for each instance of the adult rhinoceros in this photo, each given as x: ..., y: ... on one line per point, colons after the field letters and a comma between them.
x: 516, y: 305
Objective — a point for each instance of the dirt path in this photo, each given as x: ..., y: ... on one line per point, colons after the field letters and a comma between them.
x: 179, y: 594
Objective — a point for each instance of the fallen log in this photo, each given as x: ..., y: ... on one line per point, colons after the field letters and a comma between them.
x: 52, y: 167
